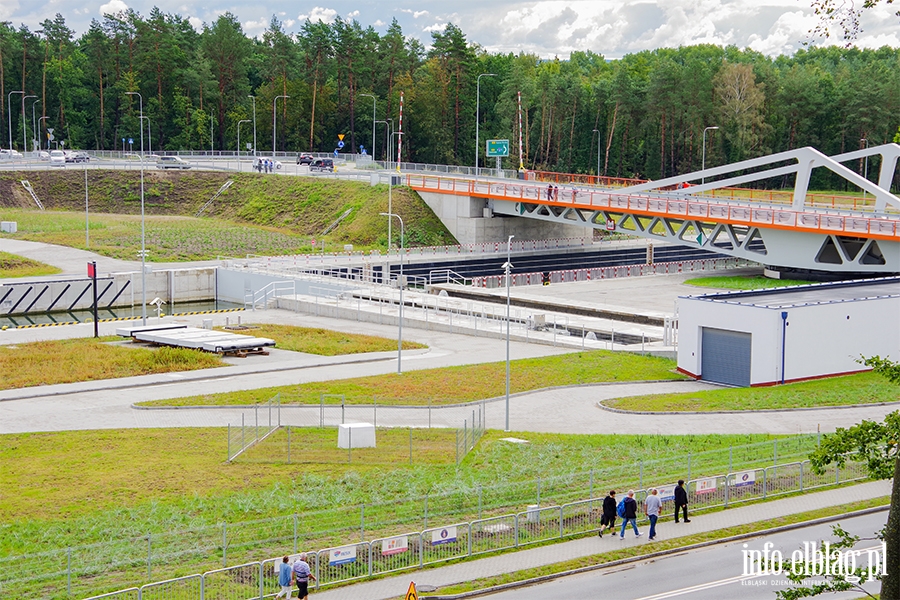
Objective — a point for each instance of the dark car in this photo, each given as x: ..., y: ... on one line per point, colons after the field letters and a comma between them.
x: 305, y: 159
x: 81, y: 156
x: 322, y: 164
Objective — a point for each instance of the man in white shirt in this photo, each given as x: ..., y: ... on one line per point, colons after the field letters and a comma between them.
x: 651, y: 508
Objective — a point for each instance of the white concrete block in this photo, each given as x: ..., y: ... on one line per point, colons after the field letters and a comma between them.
x: 359, y: 435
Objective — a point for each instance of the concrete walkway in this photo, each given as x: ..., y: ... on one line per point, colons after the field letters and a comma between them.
x: 523, y: 560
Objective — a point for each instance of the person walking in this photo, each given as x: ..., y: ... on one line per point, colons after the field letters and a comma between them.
x: 651, y: 508
x: 302, y: 575
x: 629, y: 515
x: 285, y: 578
x: 681, y: 501
x: 608, y: 517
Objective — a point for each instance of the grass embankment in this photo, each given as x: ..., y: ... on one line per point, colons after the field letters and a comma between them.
x: 266, y: 215
x: 861, y: 388
x: 659, y: 546
x: 13, y: 265
x: 455, y: 384
x: 68, y: 361
x: 324, y: 342
x: 743, y: 282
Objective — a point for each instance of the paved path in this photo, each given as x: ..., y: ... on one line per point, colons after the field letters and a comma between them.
x: 394, y: 587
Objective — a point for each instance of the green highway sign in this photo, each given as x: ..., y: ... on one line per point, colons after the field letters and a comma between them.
x: 497, y: 148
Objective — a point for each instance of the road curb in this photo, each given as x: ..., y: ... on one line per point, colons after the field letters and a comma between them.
x: 739, y: 412
x: 661, y: 553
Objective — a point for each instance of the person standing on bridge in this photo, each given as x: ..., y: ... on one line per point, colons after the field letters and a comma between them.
x: 550, y: 192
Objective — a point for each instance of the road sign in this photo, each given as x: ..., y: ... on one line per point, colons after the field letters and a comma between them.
x: 50, y: 129
x: 497, y: 148
x: 341, y: 143
x: 341, y: 136
x: 130, y: 141
x: 411, y: 593
x: 312, y: 242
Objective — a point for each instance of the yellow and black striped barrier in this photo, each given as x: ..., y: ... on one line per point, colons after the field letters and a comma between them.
x: 36, y: 325
x: 207, y: 312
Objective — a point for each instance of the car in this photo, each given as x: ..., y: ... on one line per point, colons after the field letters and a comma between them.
x: 172, y: 162
x: 81, y: 156
x: 305, y: 159
x: 322, y: 164
x: 44, y: 155
x: 260, y: 161
x: 9, y: 154
x: 57, y: 158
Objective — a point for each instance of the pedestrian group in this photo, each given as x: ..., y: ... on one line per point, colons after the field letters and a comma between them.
x: 627, y: 510
x: 298, y: 573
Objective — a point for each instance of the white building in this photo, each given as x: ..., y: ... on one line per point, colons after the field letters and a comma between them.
x: 766, y: 337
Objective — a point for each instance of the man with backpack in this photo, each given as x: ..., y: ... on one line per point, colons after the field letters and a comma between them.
x: 608, y: 517
x: 627, y: 509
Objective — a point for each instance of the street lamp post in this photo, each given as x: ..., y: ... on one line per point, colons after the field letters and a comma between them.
x: 143, y: 247
x: 239, y: 139
x: 34, y: 135
x: 9, y: 115
x: 24, y: 128
x: 477, y: 111
x: 597, y: 131
x: 149, y: 140
x: 400, y: 284
x: 703, y: 160
x: 507, y: 267
x: 254, y: 123
x: 374, y: 103
x: 273, y: 123
x: 48, y: 139
x: 866, y: 172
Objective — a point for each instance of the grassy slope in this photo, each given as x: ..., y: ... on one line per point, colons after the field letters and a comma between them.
x: 324, y: 342
x: 862, y: 388
x: 457, y: 384
x: 288, y: 213
x: 743, y: 282
x: 13, y: 265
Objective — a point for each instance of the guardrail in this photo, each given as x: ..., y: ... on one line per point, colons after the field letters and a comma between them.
x: 536, y: 524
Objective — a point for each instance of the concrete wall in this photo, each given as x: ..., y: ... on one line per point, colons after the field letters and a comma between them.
x: 465, y: 217
x: 820, y: 339
x: 113, y: 289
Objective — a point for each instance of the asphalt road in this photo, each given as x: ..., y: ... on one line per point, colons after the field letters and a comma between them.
x: 711, y: 573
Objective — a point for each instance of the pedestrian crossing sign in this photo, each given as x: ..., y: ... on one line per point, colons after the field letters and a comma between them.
x: 411, y: 593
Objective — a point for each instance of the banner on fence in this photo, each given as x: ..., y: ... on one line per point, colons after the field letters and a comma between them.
x: 745, y: 478
x: 705, y: 486
x: 666, y: 492
x: 342, y: 556
x: 395, y: 545
x: 443, y: 536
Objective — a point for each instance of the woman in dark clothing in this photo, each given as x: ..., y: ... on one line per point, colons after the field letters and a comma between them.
x: 608, y: 518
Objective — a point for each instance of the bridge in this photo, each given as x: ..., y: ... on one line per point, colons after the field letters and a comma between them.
x: 795, y: 230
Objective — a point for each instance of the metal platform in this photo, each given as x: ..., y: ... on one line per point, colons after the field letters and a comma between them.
x: 181, y: 336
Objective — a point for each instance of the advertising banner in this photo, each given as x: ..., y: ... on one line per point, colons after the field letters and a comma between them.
x: 443, y: 536
x: 395, y: 545
x: 342, y: 556
x: 705, y: 486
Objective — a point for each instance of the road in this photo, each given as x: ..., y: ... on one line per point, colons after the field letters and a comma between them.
x: 711, y: 573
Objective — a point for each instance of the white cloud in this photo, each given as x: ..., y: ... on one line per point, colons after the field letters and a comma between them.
x: 113, y: 7
x: 8, y: 9
x: 353, y: 14
x: 196, y: 23
x: 379, y: 23
x: 323, y: 15
x: 435, y: 27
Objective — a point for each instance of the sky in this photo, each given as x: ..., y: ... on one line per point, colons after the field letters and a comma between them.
x: 548, y: 28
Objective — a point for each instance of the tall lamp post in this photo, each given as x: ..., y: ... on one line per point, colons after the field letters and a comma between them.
x: 374, y: 103
x: 274, y: 114
x: 866, y: 172
x: 239, y: 139
x: 254, y: 123
x: 9, y: 115
x: 34, y: 135
x: 149, y: 139
x: 24, y: 128
x: 143, y: 247
x: 477, y: 111
x: 703, y: 160
x: 400, y: 285
x: 507, y: 267
x: 597, y: 131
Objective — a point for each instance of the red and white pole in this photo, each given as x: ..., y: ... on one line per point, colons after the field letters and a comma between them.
x: 521, y: 164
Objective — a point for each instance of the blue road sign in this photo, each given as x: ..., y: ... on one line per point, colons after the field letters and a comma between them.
x: 341, y: 144
x: 130, y: 141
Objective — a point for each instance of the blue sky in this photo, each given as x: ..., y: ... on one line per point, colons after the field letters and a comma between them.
x: 547, y: 27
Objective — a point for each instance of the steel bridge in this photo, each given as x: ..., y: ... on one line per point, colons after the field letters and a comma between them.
x: 795, y: 229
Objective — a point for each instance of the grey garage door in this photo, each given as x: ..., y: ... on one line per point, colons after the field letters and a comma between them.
x: 725, y: 356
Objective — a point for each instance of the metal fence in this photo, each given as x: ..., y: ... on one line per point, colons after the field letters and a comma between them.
x: 535, y: 524
x: 246, y: 436
x: 134, y: 555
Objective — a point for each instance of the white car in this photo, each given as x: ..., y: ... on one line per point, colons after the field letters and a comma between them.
x: 260, y: 161
x: 57, y: 158
x: 171, y: 162
x: 44, y: 155
x: 9, y: 154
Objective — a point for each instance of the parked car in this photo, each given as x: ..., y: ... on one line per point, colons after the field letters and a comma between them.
x: 322, y: 164
x: 260, y: 161
x: 171, y: 162
x: 44, y: 155
x: 305, y: 159
x: 57, y: 158
x: 80, y: 156
x: 9, y: 154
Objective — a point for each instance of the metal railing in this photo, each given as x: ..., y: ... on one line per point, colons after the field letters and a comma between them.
x: 269, y: 292
x: 247, y: 436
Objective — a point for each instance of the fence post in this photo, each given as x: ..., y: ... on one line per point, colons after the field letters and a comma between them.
x: 517, y: 529
x: 560, y: 521
x: 295, y: 533
x: 765, y: 483
x: 224, y: 544
x: 261, y: 591
x: 726, y: 488
x: 801, y: 475
x: 69, y: 570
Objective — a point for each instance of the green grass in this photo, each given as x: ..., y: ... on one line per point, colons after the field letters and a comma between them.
x: 256, y: 215
x: 26, y: 365
x: 456, y: 384
x: 861, y: 388
x: 324, y: 342
x: 658, y: 546
x: 13, y: 265
x: 743, y: 282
